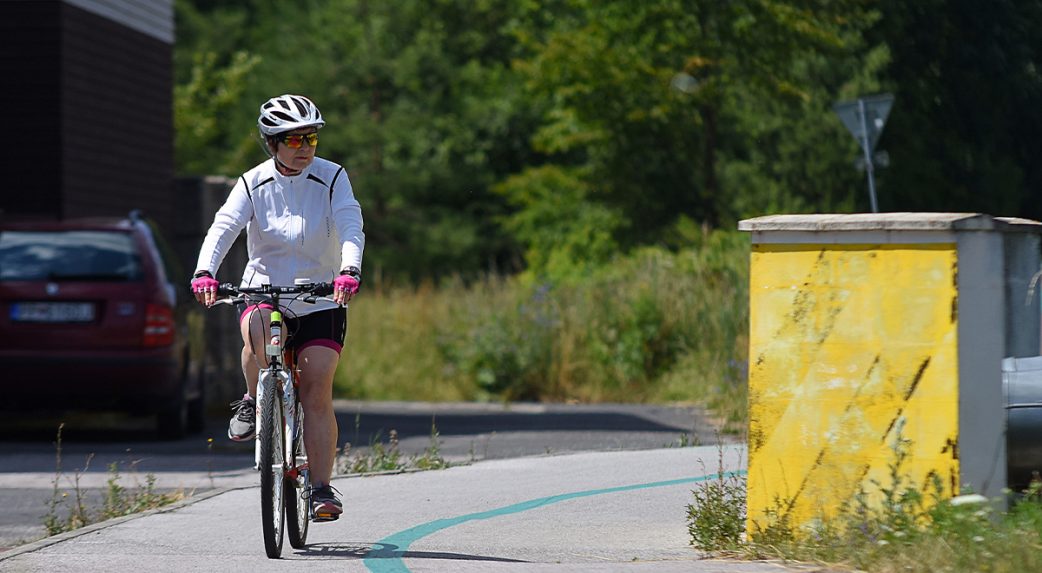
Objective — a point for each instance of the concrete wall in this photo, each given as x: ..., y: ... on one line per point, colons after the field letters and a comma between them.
x: 982, y: 346
x: 873, y: 334
x: 198, y: 200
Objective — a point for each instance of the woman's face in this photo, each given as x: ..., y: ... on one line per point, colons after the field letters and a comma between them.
x: 294, y: 151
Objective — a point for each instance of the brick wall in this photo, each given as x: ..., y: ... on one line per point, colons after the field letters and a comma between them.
x: 93, y: 101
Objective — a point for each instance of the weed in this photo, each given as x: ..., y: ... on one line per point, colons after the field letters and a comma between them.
x: 378, y: 458
x: 906, y: 529
x: 381, y: 458
x: 431, y: 458
x: 115, y: 494
x: 118, y: 500
x: 775, y: 529
x: 51, y: 521
x: 716, y: 519
x: 77, y: 515
x: 685, y: 440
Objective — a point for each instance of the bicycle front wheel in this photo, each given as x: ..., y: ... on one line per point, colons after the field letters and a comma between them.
x: 272, y: 438
x: 298, y: 498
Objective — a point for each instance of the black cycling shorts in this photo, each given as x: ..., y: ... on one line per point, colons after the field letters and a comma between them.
x: 323, y: 328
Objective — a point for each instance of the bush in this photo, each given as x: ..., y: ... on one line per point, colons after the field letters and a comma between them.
x: 654, y: 326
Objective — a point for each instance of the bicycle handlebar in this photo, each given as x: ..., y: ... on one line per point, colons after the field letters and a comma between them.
x: 315, y: 289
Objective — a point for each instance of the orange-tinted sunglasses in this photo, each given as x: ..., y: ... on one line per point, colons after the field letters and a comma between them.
x: 295, y: 141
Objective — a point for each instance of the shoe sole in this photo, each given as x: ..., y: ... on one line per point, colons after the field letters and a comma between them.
x: 245, y: 438
x: 326, y: 513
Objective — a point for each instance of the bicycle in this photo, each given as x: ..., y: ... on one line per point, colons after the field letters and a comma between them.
x: 282, y: 463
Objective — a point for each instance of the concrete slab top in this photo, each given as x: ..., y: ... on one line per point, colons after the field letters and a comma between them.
x: 889, y: 222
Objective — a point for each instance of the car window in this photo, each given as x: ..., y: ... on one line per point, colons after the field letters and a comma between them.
x: 69, y: 255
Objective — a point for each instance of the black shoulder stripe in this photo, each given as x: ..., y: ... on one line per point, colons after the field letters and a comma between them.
x: 335, y: 177
x: 249, y: 192
x: 265, y: 182
x: 312, y: 177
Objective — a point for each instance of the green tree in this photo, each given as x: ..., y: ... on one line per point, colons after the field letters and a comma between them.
x: 431, y: 121
x: 747, y: 80
x: 567, y: 236
x: 482, y: 132
x: 200, y: 104
x: 963, y: 133
x: 421, y: 105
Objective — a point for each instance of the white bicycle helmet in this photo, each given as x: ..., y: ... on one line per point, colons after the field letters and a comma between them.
x: 286, y: 113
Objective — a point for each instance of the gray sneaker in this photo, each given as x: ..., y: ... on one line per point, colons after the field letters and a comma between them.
x: 325, y: 506
x: 243, y: 424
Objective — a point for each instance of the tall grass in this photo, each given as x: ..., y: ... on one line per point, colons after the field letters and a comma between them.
x: 656, y: 326
x: 908, y: 530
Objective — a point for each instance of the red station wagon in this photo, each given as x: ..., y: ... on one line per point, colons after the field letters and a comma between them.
x: 89, y: 319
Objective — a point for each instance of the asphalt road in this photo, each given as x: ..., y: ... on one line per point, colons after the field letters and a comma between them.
x: 590, y: 512
x: 466, y: 433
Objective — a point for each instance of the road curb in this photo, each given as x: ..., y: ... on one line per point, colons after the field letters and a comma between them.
x: 55, y: 539
x: 195, y: 498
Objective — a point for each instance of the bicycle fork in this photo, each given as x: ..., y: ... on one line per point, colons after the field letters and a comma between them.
x: 268, y: 383
x: 270, y: 379
x: 293, y: 425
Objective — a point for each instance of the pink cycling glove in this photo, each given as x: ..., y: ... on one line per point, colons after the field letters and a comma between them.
x: 205, y: 289
x: 344, y: 287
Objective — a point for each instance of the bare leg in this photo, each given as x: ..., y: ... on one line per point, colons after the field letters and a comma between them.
x: 317, y: 365
x: 254, y: 330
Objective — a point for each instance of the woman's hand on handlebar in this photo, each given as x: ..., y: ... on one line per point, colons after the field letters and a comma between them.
x: 344, y: 287
x: 205, y: 289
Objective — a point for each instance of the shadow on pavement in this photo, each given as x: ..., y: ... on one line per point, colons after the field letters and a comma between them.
x: 478, y: 424
x: 517, y: 430
x: 108, y: 428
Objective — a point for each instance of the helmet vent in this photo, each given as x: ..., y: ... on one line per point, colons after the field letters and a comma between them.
x: 286, y: 113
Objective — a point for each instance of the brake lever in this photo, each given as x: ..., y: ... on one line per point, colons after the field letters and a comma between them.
x: 313, y: 299
x: 230, y: 300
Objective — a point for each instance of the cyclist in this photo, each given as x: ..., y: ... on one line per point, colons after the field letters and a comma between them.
x: 302, y: 221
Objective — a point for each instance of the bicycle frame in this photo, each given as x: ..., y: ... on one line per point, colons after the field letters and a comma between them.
x: 279, y: 375
x: 294, y: 425
x: 278, y: 405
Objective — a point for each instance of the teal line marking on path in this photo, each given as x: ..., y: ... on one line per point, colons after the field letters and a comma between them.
x: 386, y: 557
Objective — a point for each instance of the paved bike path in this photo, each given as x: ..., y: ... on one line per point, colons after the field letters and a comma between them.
x: 604, y: 511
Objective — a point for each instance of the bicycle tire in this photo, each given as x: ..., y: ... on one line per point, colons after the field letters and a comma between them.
x: 298, y: 502
x: 272, y: 469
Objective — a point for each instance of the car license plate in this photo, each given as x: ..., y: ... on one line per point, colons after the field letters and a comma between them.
x: 52, y: 312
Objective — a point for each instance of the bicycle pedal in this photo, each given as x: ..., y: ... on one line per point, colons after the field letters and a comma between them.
x: 323, y: 517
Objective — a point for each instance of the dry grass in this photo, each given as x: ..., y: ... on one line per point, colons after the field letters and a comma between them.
x: 653, y: 327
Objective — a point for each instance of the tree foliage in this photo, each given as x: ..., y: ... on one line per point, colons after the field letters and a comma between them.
x: 199, y: 105
x: 964, y: 132
x: 669, y: 104
x: 553, y: 134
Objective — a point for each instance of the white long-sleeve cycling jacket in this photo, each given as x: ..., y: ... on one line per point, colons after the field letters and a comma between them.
x: 307, y: 226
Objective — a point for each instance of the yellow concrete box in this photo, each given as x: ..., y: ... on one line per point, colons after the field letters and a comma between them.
x: 870, y: 329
